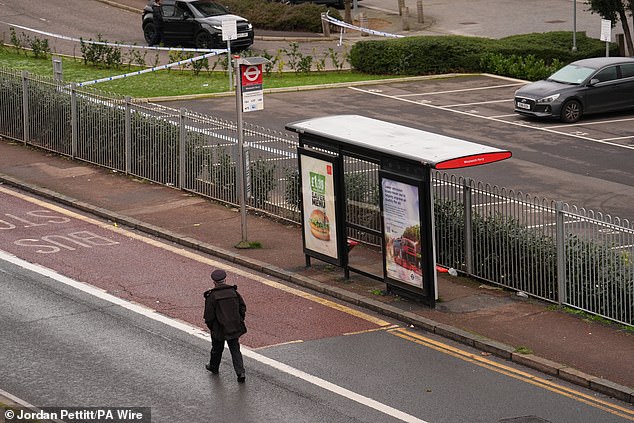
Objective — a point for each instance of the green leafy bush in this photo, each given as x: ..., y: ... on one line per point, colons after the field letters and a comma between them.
x: 524, y: 67
x: 528, y: 56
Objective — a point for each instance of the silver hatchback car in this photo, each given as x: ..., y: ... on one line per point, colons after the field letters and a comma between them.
x: 597, y: 85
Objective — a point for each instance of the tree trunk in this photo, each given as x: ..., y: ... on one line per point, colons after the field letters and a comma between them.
x: 348, y: 12
x: 626, y: 31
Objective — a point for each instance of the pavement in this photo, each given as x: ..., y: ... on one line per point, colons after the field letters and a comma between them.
x: 592, y: 354
x: 588, y: 353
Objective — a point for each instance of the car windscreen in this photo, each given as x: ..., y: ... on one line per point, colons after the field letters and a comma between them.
x: 571, y: 74
x: 209, y: 8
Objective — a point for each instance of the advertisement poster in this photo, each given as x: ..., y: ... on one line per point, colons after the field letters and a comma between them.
x: 401, y: 221
x: 318, y: 195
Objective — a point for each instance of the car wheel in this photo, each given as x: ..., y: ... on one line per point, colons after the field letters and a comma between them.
x: 203, y: 40
x: 148, y: 32
x: 571, y: 111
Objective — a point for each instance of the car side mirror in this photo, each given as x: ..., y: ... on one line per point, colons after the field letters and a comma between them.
x: 186, y: 15
x: 594, y: 81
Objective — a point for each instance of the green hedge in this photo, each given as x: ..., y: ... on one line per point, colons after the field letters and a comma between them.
x: 276, y: 16
x: 448, y: 54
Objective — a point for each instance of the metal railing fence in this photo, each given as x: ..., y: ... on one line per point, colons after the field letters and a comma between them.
x: 547, y: 249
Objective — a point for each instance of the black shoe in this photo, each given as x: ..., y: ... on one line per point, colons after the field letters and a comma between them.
x: 241, y: 378
x: 211, y: 369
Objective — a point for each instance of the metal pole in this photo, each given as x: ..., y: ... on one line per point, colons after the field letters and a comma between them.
x: 25, y: 106
x: 241, y: 161
x: 229, y: 65
x: 182, y: 137
x: 128, y: 136
x: 468, y: 227
x: 574, y: 25
x: 74, y: 121
x: 560, y: 248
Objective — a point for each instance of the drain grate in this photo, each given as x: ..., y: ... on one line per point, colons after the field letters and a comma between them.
x: 556, y: 21
x: 524, y: 419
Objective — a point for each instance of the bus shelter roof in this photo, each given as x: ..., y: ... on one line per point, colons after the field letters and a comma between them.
x: 427, y: 148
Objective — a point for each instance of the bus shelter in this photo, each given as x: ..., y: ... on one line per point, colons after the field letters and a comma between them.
x: 396, y: 163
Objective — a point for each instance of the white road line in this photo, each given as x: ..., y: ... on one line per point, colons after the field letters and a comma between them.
x: 494, y: 119
x: 197, y: 332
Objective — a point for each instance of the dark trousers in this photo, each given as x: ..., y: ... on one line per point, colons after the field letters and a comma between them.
x: 158, y: 37
x: 218, y: 345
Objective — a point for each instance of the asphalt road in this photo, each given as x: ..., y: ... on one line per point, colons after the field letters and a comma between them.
x: 64, y: 343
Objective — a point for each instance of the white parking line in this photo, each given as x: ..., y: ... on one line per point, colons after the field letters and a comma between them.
x: 461, y: 90
x: 494, y: 119
x: 480, y: 102
x: 197, y: 332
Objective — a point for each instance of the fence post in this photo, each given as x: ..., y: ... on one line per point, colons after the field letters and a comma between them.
x: 405, y: 18
x: 182, y: 136
x: 128, y: 136
x: 25, y: 107
x: 468, y: 227
x: 73, y: 121
x: 561, y: 257
x: 325, y: 25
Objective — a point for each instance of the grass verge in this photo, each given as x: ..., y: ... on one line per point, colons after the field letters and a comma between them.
x: 173, y: 82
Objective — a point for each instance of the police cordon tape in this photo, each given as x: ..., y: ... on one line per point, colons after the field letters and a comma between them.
x: 154, y: 69
x: 103, y: 43
x: 343, y: 24
x: 208, y: 53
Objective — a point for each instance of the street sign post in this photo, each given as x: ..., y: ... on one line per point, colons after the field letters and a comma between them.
x: 249, y: 97
x: 229, y: 32
x: 606, y: 35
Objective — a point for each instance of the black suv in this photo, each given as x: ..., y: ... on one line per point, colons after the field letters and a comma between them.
x: 197, y: 22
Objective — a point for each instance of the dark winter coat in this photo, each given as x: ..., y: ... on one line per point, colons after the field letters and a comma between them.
x: 157, y: 15
x: 224, y: 312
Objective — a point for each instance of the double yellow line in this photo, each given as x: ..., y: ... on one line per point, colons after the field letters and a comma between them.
x: 514, y: 373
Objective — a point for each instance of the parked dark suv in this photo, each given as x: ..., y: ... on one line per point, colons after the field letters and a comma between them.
x: 197, y: 22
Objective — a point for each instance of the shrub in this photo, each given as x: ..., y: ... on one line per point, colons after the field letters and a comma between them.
x: 100, y: 55
x: 262, y: 181
x: 419, y: 55
x: 539, y: 54
x: 524, y: 67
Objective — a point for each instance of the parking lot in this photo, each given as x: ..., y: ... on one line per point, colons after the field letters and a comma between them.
x: 587, y: 164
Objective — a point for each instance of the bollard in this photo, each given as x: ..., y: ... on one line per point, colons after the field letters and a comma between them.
x: 419, y: 9
x: 363, y: 23
x: 58, y: 74
x: 406, y: 19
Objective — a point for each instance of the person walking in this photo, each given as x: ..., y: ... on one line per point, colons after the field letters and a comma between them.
x: 224, y: 315
x: 157, y: 18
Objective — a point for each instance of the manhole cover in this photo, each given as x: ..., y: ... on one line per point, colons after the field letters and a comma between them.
x: 524, y: 419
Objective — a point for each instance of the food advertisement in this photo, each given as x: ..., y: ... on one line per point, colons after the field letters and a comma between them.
x: 318, y: 195
x: 401, y: 223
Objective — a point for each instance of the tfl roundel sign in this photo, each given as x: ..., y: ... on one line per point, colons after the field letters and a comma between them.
x: 251, y: 76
